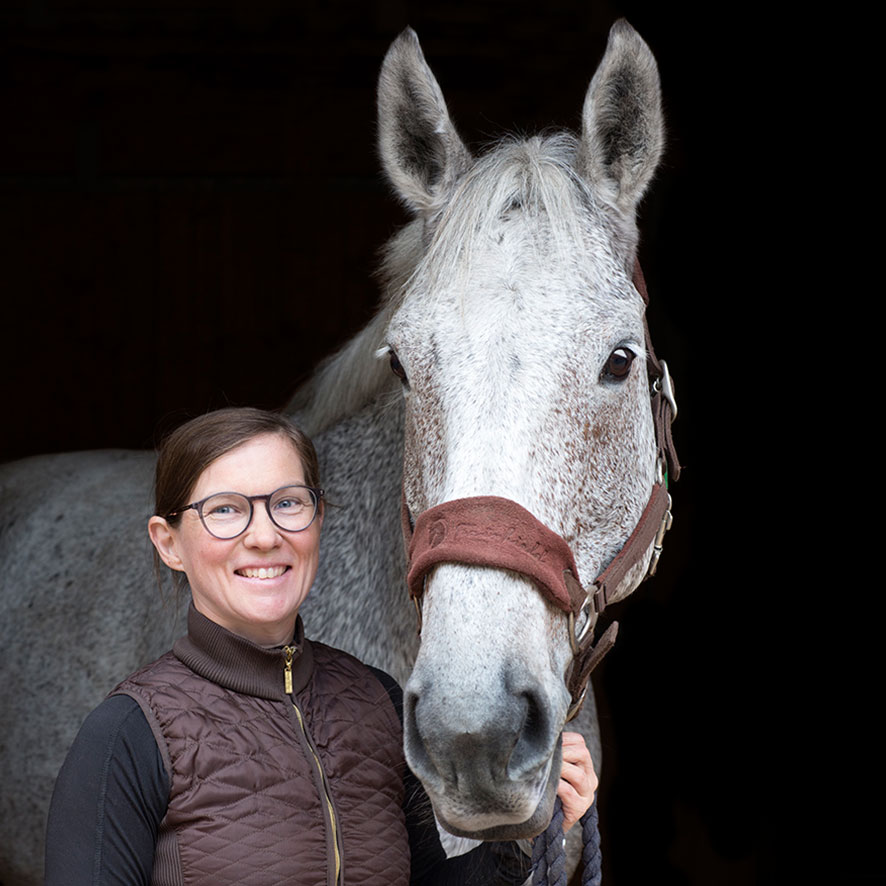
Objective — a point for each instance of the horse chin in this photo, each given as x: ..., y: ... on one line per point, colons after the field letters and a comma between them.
x: 527, y: 829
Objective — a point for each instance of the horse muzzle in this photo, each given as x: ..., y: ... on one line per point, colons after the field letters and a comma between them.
x: 483, y: 736
x: 502, y: 814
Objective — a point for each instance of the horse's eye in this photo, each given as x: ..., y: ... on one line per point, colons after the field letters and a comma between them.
x: 397, y: 368
x: 618, y: 365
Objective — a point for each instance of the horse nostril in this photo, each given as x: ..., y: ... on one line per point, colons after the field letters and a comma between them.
x: 416, y: 753
x: 533, y: 736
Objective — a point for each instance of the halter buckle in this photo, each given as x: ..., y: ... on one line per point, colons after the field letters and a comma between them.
x: 665, y: 386
x: 667, y: 520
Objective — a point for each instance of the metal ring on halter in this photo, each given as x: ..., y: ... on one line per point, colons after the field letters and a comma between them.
x: 590, y: 621
x: 665, y: 385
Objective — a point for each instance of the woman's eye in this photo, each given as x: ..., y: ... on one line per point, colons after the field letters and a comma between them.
x: 397, y: 367
x: 223, y: 511
x: 618, y: 366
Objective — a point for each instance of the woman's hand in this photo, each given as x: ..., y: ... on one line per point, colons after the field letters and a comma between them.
x: 578, y: 781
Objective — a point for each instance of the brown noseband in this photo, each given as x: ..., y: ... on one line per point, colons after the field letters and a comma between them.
x: 486, y: 530
x: 490, y: 531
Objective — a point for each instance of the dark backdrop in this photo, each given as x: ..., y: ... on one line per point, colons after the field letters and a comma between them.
x: 190, y: 211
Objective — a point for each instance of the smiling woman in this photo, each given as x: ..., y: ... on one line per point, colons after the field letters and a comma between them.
x: 253, y: 582
x: 248, y: 753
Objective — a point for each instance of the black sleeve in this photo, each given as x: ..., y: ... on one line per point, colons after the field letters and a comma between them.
x: 109, y: 799
x: 490, y: 864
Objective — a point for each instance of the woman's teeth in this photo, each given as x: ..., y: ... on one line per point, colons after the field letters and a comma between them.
x: 270, y: 572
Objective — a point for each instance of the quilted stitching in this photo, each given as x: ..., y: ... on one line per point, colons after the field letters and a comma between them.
x: 245, y: 802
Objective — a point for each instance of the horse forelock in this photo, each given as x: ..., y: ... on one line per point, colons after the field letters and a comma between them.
x: 565, y: 219
x: 534, y: 176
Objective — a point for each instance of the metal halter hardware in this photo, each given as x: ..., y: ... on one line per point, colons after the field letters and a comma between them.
x: 498, y: 532
x: 667, y: 519
x: 665, y: 386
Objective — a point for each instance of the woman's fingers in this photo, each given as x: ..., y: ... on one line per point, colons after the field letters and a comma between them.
x: 578, y: 781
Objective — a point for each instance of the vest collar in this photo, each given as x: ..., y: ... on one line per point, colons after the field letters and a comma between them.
x: 239, y: 664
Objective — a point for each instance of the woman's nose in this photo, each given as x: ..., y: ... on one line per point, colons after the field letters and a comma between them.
x: 261, y: 532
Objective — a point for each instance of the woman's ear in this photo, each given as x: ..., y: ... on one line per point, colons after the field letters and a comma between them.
x: 163, y: 538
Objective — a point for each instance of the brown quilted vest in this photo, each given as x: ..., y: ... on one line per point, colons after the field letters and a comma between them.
x: 270, y: 788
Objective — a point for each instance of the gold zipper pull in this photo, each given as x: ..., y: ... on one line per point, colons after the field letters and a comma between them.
x: 287, y: 672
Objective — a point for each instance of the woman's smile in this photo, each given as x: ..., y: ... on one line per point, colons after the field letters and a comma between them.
x: 262, y: 573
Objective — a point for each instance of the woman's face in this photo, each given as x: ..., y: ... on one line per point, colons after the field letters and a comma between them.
x: 224, y: 574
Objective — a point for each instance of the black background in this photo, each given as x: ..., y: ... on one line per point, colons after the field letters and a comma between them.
x: 190, y: 217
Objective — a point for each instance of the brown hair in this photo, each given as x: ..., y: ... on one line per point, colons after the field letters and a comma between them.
x: 196, y: 444
x: 192, y: 447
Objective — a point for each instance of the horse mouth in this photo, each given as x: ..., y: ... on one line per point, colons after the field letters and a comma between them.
x: 489, y: 819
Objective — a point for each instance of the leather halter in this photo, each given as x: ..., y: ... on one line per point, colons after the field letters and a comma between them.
x: 490, y: 531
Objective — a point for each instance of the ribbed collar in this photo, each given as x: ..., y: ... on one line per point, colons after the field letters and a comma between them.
x: 239, y: 664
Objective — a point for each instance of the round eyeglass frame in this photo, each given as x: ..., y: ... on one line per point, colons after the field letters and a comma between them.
x: 317, y: 495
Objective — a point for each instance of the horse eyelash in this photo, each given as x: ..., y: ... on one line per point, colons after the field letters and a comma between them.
x: 638, y: 349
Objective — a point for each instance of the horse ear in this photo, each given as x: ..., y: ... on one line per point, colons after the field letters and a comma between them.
x: 622, y: 121
x: 422, y: 153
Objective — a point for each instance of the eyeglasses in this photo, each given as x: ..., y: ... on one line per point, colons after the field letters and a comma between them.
x: 226, y: 515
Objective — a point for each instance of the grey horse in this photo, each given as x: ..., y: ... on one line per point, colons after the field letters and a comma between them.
x: 506, y: 359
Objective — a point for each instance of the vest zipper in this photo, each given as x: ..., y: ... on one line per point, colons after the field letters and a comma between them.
x: 332, y: 820
x: 288, y: 652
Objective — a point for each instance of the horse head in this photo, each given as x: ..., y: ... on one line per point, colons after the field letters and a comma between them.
x: 518, y: 337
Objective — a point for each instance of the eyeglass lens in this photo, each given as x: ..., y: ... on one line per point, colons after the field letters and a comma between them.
x: 227, y: 514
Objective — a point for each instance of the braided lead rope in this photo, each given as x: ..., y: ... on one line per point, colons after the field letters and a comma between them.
x: 591, y: 856
x: 549, y: 851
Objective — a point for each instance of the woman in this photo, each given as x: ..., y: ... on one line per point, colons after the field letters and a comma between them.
x: 248, y: 754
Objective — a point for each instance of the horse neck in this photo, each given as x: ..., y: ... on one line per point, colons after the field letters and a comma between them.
x: 359, y: 601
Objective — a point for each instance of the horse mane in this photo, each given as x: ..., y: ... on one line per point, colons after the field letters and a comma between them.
x: 349, y: 379
x: 532, y: 175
